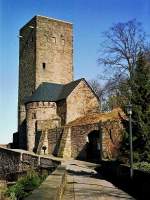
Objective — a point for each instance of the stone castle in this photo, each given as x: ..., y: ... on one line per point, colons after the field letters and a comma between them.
x: 55, y: 111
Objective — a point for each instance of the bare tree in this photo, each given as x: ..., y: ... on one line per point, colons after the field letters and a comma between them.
x: 120, y: 49
x: 103, y: 91
x: 97, y: 88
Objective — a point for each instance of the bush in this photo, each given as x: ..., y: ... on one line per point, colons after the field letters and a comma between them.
x: 16, y: 192
x: 31, y: 181
x: 24, y: 185
x: 145, y: 166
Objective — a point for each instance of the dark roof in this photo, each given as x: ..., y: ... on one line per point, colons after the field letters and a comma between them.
x: 52, y: 91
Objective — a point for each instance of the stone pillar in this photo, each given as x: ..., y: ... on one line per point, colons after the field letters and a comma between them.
x: 65, y: 146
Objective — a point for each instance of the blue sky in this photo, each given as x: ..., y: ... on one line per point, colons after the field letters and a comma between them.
x: 90, y: 19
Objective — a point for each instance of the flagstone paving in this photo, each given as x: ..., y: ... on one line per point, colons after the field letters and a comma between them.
x: 83, y: 183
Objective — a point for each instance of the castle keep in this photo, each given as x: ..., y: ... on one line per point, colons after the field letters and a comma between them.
x: 54, y: 110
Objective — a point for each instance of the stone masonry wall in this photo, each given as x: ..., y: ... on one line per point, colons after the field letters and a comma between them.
x: 38, y: 111
x: 80, y: 102
x: 61, y: 111
x: 112, y: 138
x: 9, y: 162
x: 27, y: 62
x: 54, y: 138
x: 48, y: 41
x: 65, y: 143
x: 16, y: 162
x: 79, y: 136
x: 45, y: 55
x: 54, y: 47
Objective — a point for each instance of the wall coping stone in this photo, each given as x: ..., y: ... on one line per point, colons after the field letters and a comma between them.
x: 53, y: 187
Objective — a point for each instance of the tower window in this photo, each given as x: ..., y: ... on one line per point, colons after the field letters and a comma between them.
x: 44, y: 65
x: 54, y: 40
x: 33, y: 115
x: 63, y: 42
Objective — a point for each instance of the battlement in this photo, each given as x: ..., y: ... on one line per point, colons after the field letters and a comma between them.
x: 41, y: 105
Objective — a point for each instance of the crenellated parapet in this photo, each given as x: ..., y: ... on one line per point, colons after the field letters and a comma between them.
x: 35, y: 105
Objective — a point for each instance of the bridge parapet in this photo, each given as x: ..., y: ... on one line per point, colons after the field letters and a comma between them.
x: 13, y: 162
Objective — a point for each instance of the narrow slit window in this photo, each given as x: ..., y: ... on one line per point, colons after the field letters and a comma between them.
x: 44, y: 65
x: 54, y: 40
x: 63, y: 41
x: 32, y: 39
x: 33, y: 115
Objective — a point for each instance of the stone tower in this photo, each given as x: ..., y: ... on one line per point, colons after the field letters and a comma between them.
x: 45, y: 55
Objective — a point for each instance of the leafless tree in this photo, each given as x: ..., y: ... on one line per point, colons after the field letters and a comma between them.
x: 97, y: 88
x: 120, y: 49
x: 102, y: 91
x: 109, y: 92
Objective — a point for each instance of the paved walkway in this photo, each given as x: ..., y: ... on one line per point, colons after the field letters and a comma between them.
x: 83, y: 183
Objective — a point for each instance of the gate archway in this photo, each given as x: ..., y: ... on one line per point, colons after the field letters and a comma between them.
x: 94, y: 146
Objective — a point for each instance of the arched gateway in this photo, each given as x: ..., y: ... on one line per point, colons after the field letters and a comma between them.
x: 94, y: 146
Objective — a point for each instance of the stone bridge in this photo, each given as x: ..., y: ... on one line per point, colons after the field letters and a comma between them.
x: 72, y: 179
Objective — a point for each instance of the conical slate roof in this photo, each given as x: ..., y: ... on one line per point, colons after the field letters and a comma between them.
x: 52, y: 92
